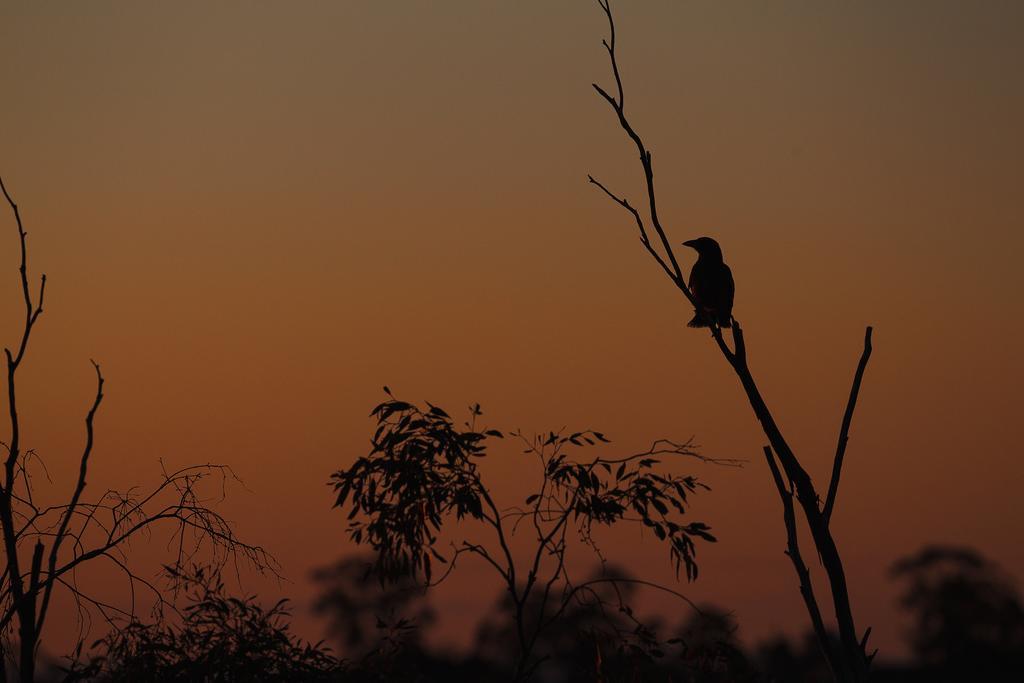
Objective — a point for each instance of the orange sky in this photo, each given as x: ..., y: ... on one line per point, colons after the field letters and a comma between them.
x: 255, y: 215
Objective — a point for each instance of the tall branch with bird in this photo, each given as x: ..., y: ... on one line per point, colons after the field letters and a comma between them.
x: 710, y: 291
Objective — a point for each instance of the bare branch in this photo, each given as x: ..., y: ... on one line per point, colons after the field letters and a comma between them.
x: 79, y: 487
x: 187, y: 511
x: 32, y: 312
x: 587, y: 585
x: 645, y: 156
x: 482, y: 552
x: 669, y: 447
x: 793, y: 551
x: 844, y: 430
x: 18, y: 603
x: 644, y: 239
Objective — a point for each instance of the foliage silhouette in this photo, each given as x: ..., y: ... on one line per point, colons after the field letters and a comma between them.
x: 220, y: 639
x: 45, y: 545
x: 423, y: 471
x: 849, y: 660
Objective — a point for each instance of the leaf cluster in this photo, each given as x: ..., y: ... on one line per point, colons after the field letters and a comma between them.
x: 630, y: 489
x: 421, y: 467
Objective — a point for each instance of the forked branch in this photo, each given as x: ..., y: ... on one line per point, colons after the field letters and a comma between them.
x: 617, y: 105
x: 803, y: 575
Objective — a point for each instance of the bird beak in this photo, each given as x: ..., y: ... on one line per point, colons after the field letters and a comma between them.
x: 690, y: 243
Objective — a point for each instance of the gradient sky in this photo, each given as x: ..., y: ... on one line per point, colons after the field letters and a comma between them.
x: 256, y: 214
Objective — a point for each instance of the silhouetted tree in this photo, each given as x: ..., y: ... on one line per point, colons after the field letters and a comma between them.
x: 422, y: 471
x: 849, y: 661
x: 968, y: 621
x: 45, y: 545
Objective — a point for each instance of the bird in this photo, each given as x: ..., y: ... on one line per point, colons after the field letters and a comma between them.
x: 711, y: 285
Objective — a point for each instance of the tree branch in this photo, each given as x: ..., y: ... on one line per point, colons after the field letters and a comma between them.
x: 674, y: 272
x: 587, y: 585
x: 844, y: 430
x: 645, y: 154
x: 644, y: 239
x: 79, y: 487
x: 804, y: 576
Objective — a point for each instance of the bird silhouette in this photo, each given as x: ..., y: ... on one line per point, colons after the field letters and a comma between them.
x: 711, y: 285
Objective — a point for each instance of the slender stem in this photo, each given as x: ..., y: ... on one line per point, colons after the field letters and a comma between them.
x: 844, y: 430
x: 79, y: 488
x: 23, y: 602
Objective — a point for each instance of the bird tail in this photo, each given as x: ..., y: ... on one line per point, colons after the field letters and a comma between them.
x: 698, y: 321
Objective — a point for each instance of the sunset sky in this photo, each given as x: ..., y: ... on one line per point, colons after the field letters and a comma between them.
x: 254, y: 215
